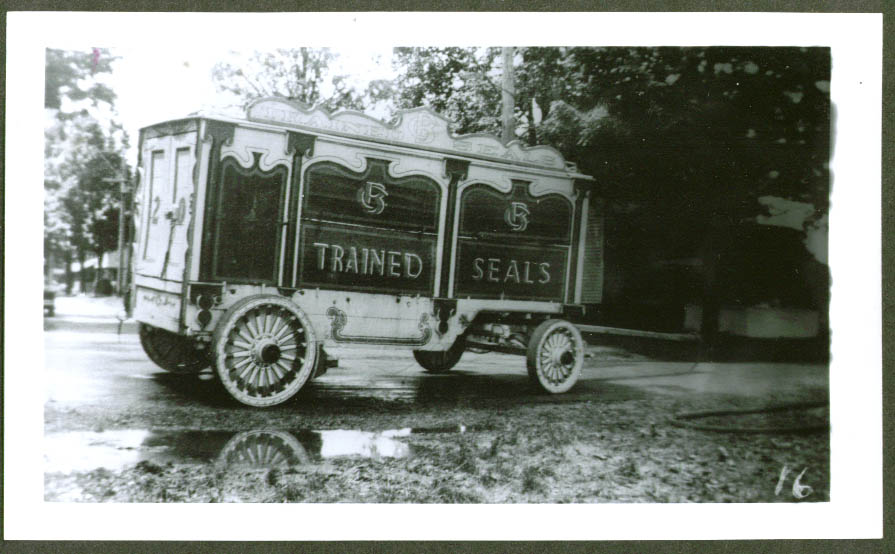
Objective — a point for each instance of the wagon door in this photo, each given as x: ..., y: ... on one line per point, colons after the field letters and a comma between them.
x: 168, y: 163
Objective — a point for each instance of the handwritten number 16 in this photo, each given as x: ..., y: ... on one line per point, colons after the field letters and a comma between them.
x: 798, y: 489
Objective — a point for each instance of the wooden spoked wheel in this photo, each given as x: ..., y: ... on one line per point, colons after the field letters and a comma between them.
x: 172, y: 352
x: 263, y: 449
x: 264, y: 350
x: 435, y: 361
x: 555, y: 356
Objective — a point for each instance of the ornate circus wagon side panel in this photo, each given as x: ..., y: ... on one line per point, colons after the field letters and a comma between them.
x: 371, y: 233
x: 513, y: 237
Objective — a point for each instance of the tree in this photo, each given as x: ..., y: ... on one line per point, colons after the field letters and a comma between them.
x: 301, y: 74
x: 72, y: 76
x: 92, y: 209
x: 80, y: 131
x: 696, y: 137
x: 462, y: 84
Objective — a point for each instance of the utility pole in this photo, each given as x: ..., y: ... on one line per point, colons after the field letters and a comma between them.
x: 508, y: 89
x: 121, y: 179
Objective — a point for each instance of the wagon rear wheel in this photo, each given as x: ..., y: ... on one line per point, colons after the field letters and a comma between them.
x: 172, y: 352
x: 434, y: 361
x: 264, y: 350
x: 555, y: 356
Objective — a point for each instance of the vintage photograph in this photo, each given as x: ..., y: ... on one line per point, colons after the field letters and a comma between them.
x: 519, y: 283
x: 440, y: 275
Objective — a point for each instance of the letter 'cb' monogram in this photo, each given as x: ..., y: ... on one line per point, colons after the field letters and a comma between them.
x: 372, y: 197
x: 516, y: 216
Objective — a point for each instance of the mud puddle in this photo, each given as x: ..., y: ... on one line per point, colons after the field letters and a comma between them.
x: 81, y: 451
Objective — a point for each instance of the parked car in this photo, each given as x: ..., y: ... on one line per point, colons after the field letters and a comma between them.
x: 49, y: 300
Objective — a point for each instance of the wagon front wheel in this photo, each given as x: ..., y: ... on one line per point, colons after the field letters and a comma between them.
x: 555, y: 356
x: 264, y: 350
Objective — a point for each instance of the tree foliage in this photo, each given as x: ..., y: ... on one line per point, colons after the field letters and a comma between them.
x: 71, y: 75
x: 462, y: 84
x: 92, y: 205
x: 722, y: 124
x: 300, y: 74
x: 683, y: 143
x: 688, y: 126
x: 83, y: 145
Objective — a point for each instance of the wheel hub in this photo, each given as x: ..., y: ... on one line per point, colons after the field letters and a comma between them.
x: 266, y: 351
x: 567, y: 358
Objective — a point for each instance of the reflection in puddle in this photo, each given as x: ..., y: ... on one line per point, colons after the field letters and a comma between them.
x: 115, y: 450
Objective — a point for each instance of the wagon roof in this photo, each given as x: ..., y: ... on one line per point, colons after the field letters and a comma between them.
x: 417, y: 128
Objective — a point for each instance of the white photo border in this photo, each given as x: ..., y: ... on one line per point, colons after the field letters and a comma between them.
x: 855, y: 509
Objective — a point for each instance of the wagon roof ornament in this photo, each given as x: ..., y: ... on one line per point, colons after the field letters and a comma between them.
x: 417, y: 127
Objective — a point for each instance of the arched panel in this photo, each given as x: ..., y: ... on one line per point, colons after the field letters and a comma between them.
x: 512, y: 245
x: 248, y: 215
x: 368, y: 230
x: 375, y: 198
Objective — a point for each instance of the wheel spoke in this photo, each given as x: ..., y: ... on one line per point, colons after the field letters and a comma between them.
x: 244, y: 361
x: 262, y: 378
x: 252, y: 376
x: 260, y: 322
x: 243, y: 334
x: 275, y: 368
x: 274, y: 325
x: 279, y: 334
x: 241, y: 372
x: 275, y: 460
x: 252, y: 326
x: 267, y: 322
x: 242, y: 344
x: 277, y: 326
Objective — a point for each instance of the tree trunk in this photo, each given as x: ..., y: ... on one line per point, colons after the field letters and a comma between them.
x: 69, y: 277
x: 98, y: 279
x: 532, y: 132
x: 83, y: 272
x: 711, y: 291
x: 51, y: 265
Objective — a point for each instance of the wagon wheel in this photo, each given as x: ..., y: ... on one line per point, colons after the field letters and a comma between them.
x: 263, y: 449
x: 555, y: 355
x: 172, y: 352
x: 435, y: 361
x: 264, y: 350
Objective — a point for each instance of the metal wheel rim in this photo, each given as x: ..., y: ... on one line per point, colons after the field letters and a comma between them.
x: 554, y: 367
x: 247, y: 371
